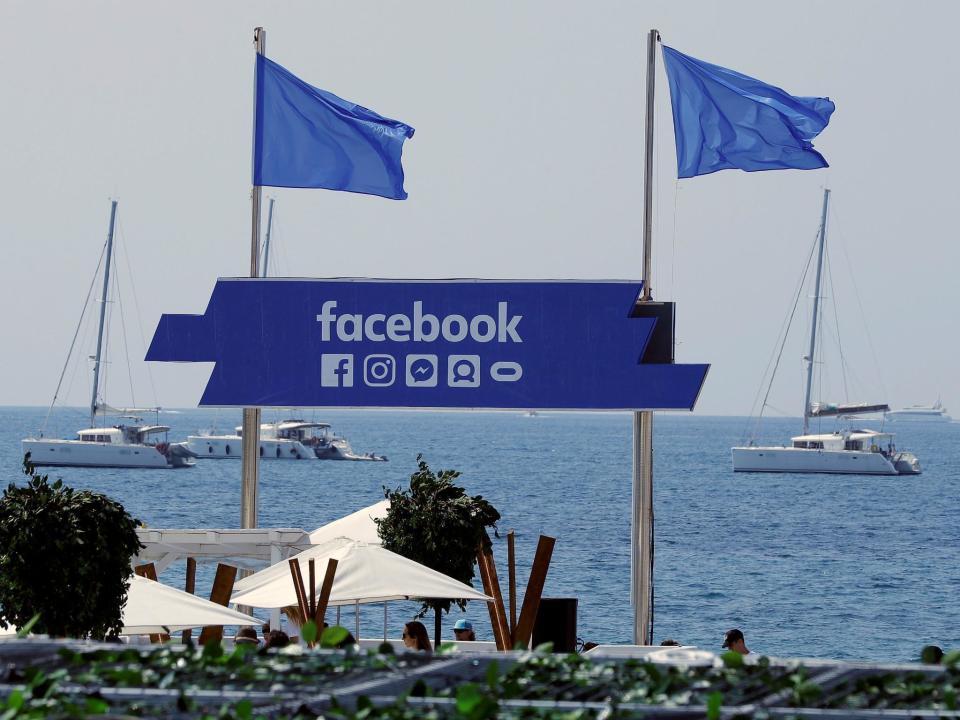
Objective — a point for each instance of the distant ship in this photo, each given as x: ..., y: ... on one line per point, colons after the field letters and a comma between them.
x: 920, y: 413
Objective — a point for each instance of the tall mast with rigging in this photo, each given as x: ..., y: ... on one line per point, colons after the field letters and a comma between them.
x: 103, y: 315
x: 816, y: 310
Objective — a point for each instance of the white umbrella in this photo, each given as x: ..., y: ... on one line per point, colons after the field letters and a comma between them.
x: 153, y: 607
x: 366, y: 573
x: 356, y: 526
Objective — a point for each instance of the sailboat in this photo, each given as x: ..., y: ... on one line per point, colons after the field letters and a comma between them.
x: 852, y: 451
x: 129, y: 444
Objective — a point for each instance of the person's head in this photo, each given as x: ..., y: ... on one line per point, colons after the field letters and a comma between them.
x: 670, y: 642
x: 246, y: 636
x: 415, y: 636
x: 276, y: 639
x: 931, y: 655
x: 463, y: 630
x: 733, y: 640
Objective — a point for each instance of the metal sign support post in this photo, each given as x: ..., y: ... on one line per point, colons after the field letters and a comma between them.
x: 642, y: 520
x: 251, y: 416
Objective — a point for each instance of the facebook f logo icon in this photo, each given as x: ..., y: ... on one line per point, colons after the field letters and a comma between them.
x: 336, y: 370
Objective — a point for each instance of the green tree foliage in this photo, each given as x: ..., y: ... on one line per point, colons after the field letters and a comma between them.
x: 65, y: 555
x: 437, y: 524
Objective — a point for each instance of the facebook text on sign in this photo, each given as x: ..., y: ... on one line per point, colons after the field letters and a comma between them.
x: 426, y: 344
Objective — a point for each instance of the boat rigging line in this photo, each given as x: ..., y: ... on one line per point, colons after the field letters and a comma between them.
x: 73, y: 342
x: 777, y: 354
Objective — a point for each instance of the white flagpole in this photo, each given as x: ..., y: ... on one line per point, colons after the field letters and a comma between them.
x: 641, y: 544
x: 251, y: 416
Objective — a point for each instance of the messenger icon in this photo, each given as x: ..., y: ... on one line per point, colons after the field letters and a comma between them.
x: 463, y: 371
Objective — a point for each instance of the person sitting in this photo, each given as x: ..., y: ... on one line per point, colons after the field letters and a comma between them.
x: 415, y: 637
x: 276, y: 639
x: 463, y: 631
x: 246, y: 636
x: 733, y: 640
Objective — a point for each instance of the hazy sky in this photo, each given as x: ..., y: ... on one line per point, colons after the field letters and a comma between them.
x: 526, y: 163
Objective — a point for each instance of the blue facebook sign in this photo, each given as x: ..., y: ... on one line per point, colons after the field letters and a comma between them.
x: 432, y: 344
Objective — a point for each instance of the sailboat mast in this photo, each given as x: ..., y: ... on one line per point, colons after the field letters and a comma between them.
x: 641, y: 565
x: 266, y: 243
x: 816, y: 311
x: 103, y: 315
x: 251, y: 416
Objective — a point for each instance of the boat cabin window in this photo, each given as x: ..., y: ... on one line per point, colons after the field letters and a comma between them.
x: 799, y: 443
x: 853, y: 445
x: 812, y: 445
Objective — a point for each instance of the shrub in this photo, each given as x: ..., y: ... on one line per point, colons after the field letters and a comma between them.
x: 65, y: 555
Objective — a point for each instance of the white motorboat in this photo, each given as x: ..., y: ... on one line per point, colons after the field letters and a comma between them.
x: 858, y: 452
x: 920, y: 413
x: 130, y: 445
x: 284, y: 440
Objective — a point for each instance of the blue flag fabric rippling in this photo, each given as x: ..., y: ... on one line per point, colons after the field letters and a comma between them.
x: 725, y: 120
x: 306, y: 137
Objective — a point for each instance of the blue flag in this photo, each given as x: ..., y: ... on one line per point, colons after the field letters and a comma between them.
x: 724, y: 120
x: 305, y: 137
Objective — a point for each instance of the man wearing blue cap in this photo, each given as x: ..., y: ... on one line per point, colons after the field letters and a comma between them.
x: 463, y: 630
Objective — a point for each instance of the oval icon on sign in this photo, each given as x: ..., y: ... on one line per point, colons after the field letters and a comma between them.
x: 506, y: 371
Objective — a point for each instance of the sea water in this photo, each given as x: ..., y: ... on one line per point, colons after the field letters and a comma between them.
x: 807, y: 565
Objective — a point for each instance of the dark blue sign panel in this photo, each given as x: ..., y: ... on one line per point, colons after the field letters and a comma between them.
x: 426, y: 344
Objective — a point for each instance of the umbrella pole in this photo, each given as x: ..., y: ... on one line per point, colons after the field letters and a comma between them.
x: 384, y: 621
x: 357, y: 607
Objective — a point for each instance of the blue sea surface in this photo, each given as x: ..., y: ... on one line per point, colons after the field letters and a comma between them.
x: 807, y: 565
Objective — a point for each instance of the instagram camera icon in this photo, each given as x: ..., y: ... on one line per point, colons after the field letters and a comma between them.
x: 379, y: 370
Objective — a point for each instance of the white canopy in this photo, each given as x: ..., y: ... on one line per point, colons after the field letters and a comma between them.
x: 356, y: 526
x: 153, y: 607
x: 365, y: 573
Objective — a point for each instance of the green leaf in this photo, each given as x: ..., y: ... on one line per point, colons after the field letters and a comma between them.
x: 15, y: 701
x: 714, y: 701
x: 243, y: 710
x: 333, y: 636
x: 96, y: 706
x: 25, y: 630
x: 308, y: 632
x: 951, y: 659
x: 469, y: 698
x: 732, y: 659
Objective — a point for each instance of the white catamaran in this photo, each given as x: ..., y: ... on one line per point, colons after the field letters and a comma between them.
x: 126, y: 445
x: 858, y: 452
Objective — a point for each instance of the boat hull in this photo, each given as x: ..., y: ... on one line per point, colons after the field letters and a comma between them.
x: 78, y: 453
x: 802, y: 460
x: 231, y: 447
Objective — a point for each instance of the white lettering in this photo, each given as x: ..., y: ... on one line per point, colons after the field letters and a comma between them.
x: 356, y: 321
x: 368, y: 327
x: 424, y: 327
x: 507, y: 328
x: 398, y: 328
x: 418, y: 321
x: 462, y: 328
x: 486, y: 335
x: 325, y: 318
